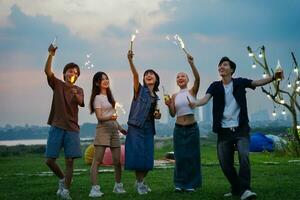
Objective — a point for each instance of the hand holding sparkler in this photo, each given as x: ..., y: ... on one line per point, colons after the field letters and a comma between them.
x: 130, y: 55
x: 114, y: 116
x: 190, y: 59
x: 52, y: 49
x: 191, y: 104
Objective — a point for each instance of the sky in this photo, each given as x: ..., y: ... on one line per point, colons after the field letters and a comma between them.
x: 210, y: 29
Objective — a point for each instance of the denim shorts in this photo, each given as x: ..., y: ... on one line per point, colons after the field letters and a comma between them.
x: 59, y: 138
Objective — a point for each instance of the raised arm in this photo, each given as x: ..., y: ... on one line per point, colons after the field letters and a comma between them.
x: 262, y: 82
x: 134, y: 73
x: 48, y: 65
x: 200, y: 102
x: 196, y: 85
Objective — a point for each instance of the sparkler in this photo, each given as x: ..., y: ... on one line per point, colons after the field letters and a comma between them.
x: 54, y: 42
x: 72, y: 79
x: 119, y: 107
x: 179, y: 39
x: 132, y: 38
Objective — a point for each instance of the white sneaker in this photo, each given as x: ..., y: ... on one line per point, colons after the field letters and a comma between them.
x: 147, y: 186
x: 229, y: 194
x: 95, y: 191
x: 247, y: 195
x: 141, y: 188
x: 190, y: 190
x: 118, y: 188
x: 65, y: 194
x: 61, y: 184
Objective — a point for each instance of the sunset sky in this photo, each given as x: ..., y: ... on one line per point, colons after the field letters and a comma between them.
x: 210, y: 29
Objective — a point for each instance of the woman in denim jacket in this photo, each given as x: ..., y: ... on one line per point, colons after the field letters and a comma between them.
x: 139, y: 145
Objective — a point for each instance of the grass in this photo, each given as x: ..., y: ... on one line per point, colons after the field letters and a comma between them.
x: 273, y: 177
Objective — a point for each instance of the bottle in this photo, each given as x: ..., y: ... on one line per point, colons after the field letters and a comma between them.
x: 278, y: 72
x: 166, y: 96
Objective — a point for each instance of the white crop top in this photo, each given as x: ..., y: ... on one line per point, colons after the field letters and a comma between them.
x: 102, y: 102
x: 182, y: 104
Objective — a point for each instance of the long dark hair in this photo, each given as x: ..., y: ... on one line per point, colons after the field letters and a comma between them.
x: 97, y: 79
x: 156, y: 84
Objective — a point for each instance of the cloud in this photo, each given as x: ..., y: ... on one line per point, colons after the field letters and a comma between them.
x: 89, y: 19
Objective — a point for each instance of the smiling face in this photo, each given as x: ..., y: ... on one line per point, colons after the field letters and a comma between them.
x: 224, y: 69
x: 104, y: 82
x: 149, y: 78
x: 182, y: 79
x: 71, y: 75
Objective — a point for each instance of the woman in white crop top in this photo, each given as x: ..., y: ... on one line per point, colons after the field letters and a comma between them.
x: 187, y: 174
x: 102, y: 103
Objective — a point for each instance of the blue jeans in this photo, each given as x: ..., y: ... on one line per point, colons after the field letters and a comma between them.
x: 228, y: 142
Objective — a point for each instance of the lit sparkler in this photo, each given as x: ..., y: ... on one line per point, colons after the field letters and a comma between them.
x: 179, y: 39
x: 119, y: 107
x: 54, y: 42
x: 133, y: 36
x: 72, y: 79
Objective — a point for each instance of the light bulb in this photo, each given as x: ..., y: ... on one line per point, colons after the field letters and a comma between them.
x: 282, y: 101
x: 283, y: 112
x: 253, y: 65
x: 251, y: 54
x: 296, y: 70
x: 264, y: 75
x: 289, y: 85
x: 260, y: 55
x: 274, y: 114
x: 298, y: 127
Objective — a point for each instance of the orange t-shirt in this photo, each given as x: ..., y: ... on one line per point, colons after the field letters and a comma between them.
x: 64, y: 108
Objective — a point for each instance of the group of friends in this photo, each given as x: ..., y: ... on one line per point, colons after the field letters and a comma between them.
x: 230, y: 122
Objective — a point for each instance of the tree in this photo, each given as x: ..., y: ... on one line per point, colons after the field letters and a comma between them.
x: 281, y: 94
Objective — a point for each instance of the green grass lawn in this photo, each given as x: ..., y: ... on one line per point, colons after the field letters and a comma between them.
x: 275, y: 179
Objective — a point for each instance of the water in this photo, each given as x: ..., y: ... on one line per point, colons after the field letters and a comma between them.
x: 35, y: 142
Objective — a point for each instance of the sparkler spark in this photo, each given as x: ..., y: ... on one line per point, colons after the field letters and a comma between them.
x: 176, y: 38
x: 133, y: 36
x: 72, y: 79
x: 119, y: 107
x: 88, y: 63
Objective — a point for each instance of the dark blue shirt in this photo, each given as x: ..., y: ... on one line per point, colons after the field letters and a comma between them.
x: 216, y: 90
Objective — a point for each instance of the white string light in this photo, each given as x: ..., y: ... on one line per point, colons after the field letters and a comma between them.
x: 264, y: 75
x: 260, y: 54
x: 253, y: 65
